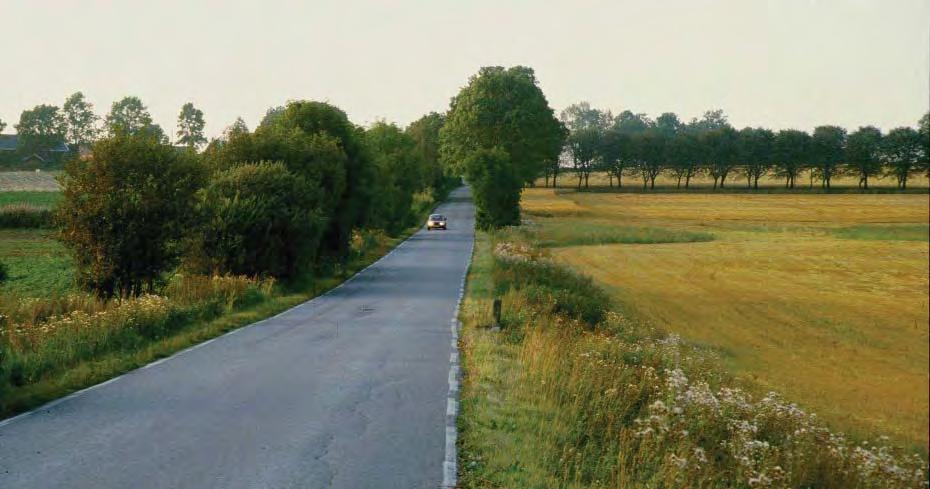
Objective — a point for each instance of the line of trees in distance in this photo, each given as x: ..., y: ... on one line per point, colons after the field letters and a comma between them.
x: 283, y: 200
x: 45, y: 127
x: 633, y: 144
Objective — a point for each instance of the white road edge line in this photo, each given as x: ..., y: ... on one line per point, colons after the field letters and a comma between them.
x: 450, y: 461
x: 73, y: 395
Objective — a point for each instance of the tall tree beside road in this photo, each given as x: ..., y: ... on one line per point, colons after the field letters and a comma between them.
x: 190, y: 126
x: 400, y: 172
x: 2, y: 125
x: 862, y: 154
x: 80, y: 120
x: 259, y: 219
x: 501, y: 109
x: 316, y: 140
x: 495, y: 187
x: 425, y: 134
x: 41, y: 129
x: 354, y: 204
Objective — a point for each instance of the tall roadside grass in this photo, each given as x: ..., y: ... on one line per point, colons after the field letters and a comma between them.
x: 573, y: 394
x: 42, y: 338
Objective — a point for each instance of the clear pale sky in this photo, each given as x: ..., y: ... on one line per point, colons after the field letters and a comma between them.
x: 777, y: 64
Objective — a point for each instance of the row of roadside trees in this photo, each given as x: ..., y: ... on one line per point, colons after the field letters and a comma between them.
x: 632, y: 144
x: 283, y: 200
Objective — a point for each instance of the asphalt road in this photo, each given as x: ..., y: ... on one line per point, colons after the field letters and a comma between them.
x: 346, y: 391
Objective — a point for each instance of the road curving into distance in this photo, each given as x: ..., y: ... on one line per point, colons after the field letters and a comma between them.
x: 345, y: 391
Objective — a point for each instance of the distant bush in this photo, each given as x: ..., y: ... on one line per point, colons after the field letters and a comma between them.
x: 25, y: 216
x: 259, y: 219
x: 4, y: 272
x: 125, y: 211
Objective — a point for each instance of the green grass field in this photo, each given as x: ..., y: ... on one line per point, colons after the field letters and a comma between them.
x: 38, y: 266
x: 40, y: 199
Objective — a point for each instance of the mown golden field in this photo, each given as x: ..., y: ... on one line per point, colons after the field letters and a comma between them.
x: 823, y: 298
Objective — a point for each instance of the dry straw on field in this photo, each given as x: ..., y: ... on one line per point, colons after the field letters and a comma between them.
x: 821, y: 297
x: 554, y: 401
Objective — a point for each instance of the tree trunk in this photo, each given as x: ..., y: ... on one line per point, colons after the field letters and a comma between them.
x: 756, y: 182
x: 865, y: 182
x: 679, y: 182
x: 586, y: 180
x: 547, y: 180
x: 610, y: 179
x: 652, y: 182
x: 687, y: 180
x: 619, y: 179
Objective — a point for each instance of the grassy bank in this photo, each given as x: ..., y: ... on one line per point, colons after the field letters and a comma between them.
x: 571, y: 394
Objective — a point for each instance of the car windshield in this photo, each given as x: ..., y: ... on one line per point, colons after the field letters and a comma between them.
x: 436, y: 217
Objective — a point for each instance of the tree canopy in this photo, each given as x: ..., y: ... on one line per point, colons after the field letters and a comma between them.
x: 130, y: 116
x: 502, y: 107
x: 501, y: 118
x: 80, y: 120
x: 41, y: 129
x: 190, y: 126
